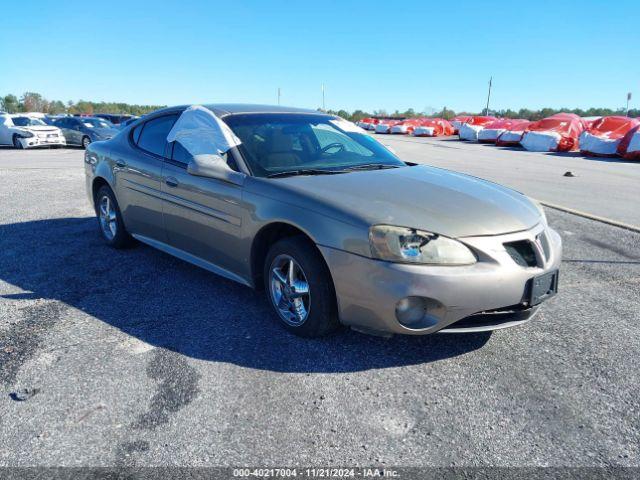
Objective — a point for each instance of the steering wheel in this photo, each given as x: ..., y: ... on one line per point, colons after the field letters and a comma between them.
x: 338, y: 145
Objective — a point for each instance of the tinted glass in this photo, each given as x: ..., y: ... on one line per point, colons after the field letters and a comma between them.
x: 153, y: 138
x: 26, y: 121
x: 274, y: 143
x: 180, y: 154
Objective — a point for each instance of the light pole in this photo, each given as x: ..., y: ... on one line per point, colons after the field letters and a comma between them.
x: 488, y: 96
x: 278, y: 95
x: 628, y: 98
x: 323, y: 109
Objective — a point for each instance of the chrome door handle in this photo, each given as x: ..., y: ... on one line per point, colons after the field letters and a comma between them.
x: 171, y: 182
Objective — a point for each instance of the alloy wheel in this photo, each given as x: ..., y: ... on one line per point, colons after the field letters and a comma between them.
x: 108, y: 218
x: 290, y: 291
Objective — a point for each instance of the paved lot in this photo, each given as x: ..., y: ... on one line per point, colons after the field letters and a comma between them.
x: 606, y: 187
x: 135, y: 358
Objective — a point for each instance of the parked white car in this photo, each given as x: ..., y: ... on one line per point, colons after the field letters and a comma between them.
x: 23, y: 131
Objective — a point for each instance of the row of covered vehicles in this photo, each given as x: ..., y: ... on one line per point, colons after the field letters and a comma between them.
x: 563, y: 132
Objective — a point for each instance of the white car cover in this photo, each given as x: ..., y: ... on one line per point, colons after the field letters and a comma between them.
x: 399, y: 129
x: 469, y: 132
x: 598, y: 145
x: 541, y: 141
x: 490, y: 134
x: 512, y: 136
x: 634, y: 144
x: 201, y: 132
x: 423, y: 131
x: 382, y: 128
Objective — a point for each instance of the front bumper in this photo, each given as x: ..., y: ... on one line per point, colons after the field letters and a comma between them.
x: 37, y: 141
x: 369, y: 290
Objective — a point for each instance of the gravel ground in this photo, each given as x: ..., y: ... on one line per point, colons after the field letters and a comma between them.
x: 134, y: 358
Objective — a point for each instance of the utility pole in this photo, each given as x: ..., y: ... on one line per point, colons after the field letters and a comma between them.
x: 278, y: 95
x: 488, y: 96
x: 323, y: 109
x: 628, y: 98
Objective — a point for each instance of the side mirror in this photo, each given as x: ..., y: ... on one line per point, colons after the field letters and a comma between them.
x: 214, y: 166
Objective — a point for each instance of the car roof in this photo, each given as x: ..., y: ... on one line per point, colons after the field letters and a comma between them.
x: 224, y: 109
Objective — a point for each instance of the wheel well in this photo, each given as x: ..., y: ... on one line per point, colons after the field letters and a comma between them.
x: 263, y: 240
x: 98, y: 183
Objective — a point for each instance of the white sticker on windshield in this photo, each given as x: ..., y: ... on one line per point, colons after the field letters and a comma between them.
x: 346, y: 126
x: 87, y: 124
x: 201, y: 132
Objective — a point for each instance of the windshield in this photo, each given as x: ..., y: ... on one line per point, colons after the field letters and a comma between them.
x: 26, y: 122
x: 96, y: 123
x: 275, y: 143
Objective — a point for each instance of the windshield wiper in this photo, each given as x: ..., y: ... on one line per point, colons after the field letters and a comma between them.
x: 304, y: 171
x: 371, y: 166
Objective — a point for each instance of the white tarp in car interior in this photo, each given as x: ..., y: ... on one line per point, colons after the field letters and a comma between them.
x: 201, y: 132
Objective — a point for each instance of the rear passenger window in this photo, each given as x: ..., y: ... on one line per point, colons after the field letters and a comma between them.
x: 153, y: 137
x: 180, y: 154
x: 136, y: 133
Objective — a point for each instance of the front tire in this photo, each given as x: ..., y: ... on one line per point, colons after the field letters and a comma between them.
x: 110, y: 219
x: 86, y: 141
x: 300, y: 289
x: 17, y: 143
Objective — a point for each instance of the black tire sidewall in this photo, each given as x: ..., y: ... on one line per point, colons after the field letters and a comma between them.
x: 122, y: 238
x: 323, y: 310
x: 83, y: 144
x: 17, y: 144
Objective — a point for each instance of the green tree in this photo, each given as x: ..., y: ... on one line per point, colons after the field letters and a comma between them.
x: 9, y: 103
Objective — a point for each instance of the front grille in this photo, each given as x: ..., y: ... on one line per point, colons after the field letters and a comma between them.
x: 493, y: 318
x: 522, y: 253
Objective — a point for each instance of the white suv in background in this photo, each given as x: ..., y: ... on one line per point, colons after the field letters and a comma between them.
x: 24, y: 131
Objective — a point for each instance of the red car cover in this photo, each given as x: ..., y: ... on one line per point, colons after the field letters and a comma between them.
x: 629, y: 147
x: 557, y: 133
x: 492, y: 130
x: 605, y: 134
x: 512, y: 135
x: 368, y: 123
x: 433, y: 127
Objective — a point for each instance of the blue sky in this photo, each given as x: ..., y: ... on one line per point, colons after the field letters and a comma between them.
x: 369, y: 54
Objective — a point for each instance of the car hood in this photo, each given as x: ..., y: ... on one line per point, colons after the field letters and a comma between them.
x: 421, y: 197
x: 39, y: 128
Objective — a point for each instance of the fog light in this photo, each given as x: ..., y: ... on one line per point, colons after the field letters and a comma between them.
x: 410, y: 311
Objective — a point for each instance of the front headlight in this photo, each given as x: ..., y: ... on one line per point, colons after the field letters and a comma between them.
x: 25, y: 134
x: 408, y: 245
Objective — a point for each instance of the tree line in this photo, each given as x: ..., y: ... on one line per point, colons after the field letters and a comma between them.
x: 34, y: 102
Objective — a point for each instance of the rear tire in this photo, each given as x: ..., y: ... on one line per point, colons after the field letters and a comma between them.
x: 86, y: 141
x: 110, y: 219
x: 313, y: 314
